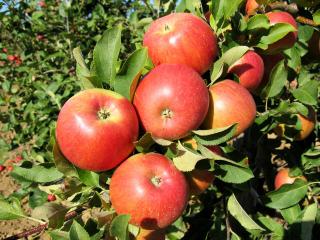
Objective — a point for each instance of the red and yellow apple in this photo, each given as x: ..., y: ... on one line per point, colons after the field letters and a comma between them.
x: 287, y: 41
x: 171, y: 101
x: 149, y: 188
x: 251, y: 7
x: 96, y: 129
x: 181, y: 38
x: 283, y: 177
x: 249, y: 69
x: 230, y: 103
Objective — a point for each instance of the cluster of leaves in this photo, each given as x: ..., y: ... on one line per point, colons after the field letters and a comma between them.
x: 242, y: 203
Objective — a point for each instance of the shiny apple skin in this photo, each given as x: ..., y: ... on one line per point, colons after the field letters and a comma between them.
x: 134, y: 190
x: 92, y: 143
x: 181, y: 38
x: 251, y: 7
x: 176, y: 88
x: 249, y: 69
x: 283, y: 177
x: 230, y: 103
x: 287, y: 41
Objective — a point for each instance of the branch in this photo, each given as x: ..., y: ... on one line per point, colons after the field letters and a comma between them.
x: 307, y: 21
x: 42, y: 227
x: 284, y: 6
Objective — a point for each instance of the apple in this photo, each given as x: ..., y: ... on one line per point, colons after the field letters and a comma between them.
x: 200, y: 179
x: 96, y: 129
x: 230, y: 103
x: 181, y: 38
x: 249, y: 69
x: 144, y: 234
x: 2, y: 167
x: 287, y: 41
x: 171, y: 101
x: 11, y: 58
x: 5, y: 50
x: 51, y: 197
x: 251, y: 7
x: 307, y: 126
x: 283, y: 177
x: 149, y: 188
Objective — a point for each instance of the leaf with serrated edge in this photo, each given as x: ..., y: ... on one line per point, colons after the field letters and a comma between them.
x: 105, y: 55
x: 52, y: 212
x: 308, y: 93
x: 239, y: 213
x: 127, y: 79
x: 288, y: 195
x: 11, y: 211
x: 186, y: 159
x: 232, y: 173
x: 215, y: 136
x: 258, y: 21
x: 272, y: 225
x: 119, y: 227
x: 277, y: 32
x: 77, y: 232
x: 291, y: 214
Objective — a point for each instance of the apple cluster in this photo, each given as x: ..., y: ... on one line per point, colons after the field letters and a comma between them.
x: 169, y: 102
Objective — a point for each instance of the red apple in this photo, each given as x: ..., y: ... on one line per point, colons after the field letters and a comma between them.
x: 51, y: 197
x: 2, y: 168
x: 283, y: 177
x: 251, y: 7
x: 150, y: 189
x: 230, y: 103
x: 5, y: 50
x: 10, y: 168
x: 171, y: 101
x: 39, y: 37
x: 181, y: 38
x: 11, y: 58
x: 249, y: 69
x: 96, y: 129
x: 287, y: 41
x: 42, y: 4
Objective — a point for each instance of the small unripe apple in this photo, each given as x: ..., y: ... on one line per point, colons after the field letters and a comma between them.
x: 283, y: 177
x: 287, y: 41
x: 249, y: 69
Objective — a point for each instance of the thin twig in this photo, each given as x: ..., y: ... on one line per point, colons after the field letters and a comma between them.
x: 307, y: 21
x: 284, y: 6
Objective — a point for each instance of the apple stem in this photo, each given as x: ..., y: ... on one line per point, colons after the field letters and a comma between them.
x: 103, y: 114
x: 166, y: 113
x: 156, y: 181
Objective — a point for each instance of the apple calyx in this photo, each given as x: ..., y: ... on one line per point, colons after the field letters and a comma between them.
x: 166, y: 113
x: 156, y: 181
x: 104, y: 114
x: 166, y: 28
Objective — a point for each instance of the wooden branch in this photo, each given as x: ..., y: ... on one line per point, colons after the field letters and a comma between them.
x: 284, y: 6
x: 40, y: 228
x: 307, y: 21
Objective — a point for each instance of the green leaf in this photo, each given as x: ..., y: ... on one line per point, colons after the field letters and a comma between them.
x: 308, y: 93
x: 277, y: 80
x: 59, y: 235
x: 105, y: 56
x: 119, y: 227
x: 186, y: 159
x: 288, y: 195
x: 257, y: 22
x: 294, y: 58
x: 37, y: 198
x: 83, y: 73
x: 162, y: 142
x: 291, y: 214
x: 308, y: 221
x: 274, y: 227
x: 277, y: 32
x: 62, y: 164
x: 226, y: 60
x: 218, y: 9
x: 311, y: 158
x: 215, y: 136
x: 38, y: 173
x: 89, y: 178
x: 10, y: 211
x: 52, y: 212
x: 128, y: 77
x: 230, y: 8
x: 316, y: 17
x: 144, y: 143
x: 240, y: 214
x: 77, y: 232
x: 305, y: 33
x: 193, y: 6
x: 232, y: 173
